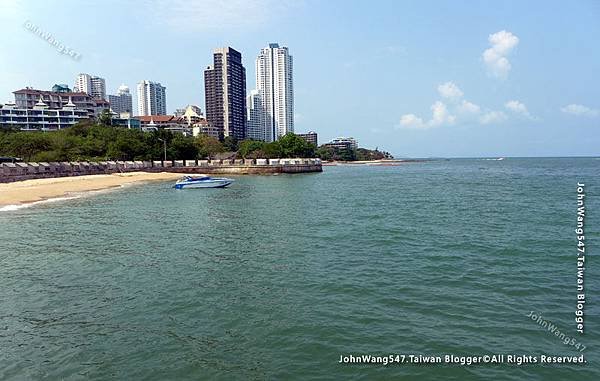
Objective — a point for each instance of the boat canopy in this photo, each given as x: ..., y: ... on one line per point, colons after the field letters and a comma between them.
x: 199, y: 178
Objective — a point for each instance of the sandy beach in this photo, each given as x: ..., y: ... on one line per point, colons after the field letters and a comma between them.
x: 28, y: 191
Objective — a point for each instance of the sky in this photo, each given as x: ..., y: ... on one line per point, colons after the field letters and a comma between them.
x: 415, y: 78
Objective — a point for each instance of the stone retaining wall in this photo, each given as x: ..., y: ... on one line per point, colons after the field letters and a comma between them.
x: 10, y: 172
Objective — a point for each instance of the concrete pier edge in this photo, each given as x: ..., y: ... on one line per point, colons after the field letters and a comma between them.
x: 10, y: 172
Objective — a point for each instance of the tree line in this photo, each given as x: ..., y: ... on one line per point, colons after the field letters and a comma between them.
x: 92, y: 141
x: 97, y: 141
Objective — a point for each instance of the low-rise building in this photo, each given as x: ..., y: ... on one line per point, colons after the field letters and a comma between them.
x: 168, y: 122
x: 40, y: 117
x: 192, y: 115
x: 342, y: 143
x: 27, y: 98
x: 204, y: 128
x: 125, y: 120
x: 310, y: 137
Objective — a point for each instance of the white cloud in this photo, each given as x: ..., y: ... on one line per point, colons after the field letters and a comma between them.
x: 495, y: 58
x: 459, y: 110
x: 439, y: 117
x: 467, y: 107
x: 518, y: 108
x: 580, y: 110
x: 449, y: 90
x: 492, y: 117
x: 412, y: 121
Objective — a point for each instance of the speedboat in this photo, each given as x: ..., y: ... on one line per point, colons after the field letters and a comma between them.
x: 202, y: 182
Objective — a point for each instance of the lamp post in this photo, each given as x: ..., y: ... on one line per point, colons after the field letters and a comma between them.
x: 165, y: 148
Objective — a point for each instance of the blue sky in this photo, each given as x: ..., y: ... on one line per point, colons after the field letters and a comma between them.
x: 416, y: 78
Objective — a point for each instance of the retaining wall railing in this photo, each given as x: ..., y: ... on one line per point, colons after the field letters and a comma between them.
x: 30, y: 170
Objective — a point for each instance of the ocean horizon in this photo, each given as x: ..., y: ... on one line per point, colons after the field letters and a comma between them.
x: 284, y: 277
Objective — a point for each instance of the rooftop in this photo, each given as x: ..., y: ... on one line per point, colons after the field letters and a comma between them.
x: 46, y: 92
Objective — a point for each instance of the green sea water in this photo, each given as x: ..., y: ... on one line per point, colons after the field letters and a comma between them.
x: 276, y: 277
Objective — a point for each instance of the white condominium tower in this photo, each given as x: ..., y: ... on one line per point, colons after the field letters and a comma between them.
x: 152, y: 98
x: 90, y: 84
x: 274, y: 82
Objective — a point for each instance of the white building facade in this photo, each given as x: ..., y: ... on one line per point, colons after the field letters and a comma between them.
x: 275, y: 85
x: 343, y: 143
x: 152, y: 98
x: 41, y: 117
x: 90, y: 84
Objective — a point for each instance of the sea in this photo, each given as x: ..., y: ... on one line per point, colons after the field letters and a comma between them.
x: 295, y: 277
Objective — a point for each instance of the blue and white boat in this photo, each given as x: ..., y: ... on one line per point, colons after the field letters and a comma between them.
x: 187, y: 182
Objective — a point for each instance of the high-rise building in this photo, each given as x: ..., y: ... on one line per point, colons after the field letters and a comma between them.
x: 122, y: 102
x: 274, y: 81
x: 225, y: 93
x: 152, y: 98
x: 92, y: 85
x: 98, y: 88
x: 255, y: 124
x: 83, y: 83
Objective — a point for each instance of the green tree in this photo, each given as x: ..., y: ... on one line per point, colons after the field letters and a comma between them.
x: 230, y: 143
x: 208, y: 146
x: 27, y: 144
x: 272, y: 150
x: 347, y: 154
x: 249, y: 147
x: 105, y: 118
x: 336, y: 154
x: 291, y: 145
x: 183, y: 148
x: 67, y: 147
x: 325, y: 153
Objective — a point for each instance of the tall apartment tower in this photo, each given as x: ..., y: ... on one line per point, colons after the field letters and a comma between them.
x: 255, y: 123
x: 91, y: 85
x: 121, y: 102
x: 274, y: 81
x: 225, y: 93
x: 152, y: 98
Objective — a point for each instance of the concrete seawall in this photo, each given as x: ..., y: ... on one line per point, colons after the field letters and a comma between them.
x: 10, y: 172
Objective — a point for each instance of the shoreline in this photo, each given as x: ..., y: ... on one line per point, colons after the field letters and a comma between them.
x: 20, y: 193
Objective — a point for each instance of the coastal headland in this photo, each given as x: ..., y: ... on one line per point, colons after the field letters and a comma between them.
x: 382, y: 162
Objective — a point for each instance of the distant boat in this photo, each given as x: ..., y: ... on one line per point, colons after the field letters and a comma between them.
x: 500, y: 158
x: 202, y: 182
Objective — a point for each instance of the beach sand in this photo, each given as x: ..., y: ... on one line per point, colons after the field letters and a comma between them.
x: 28, y: 191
